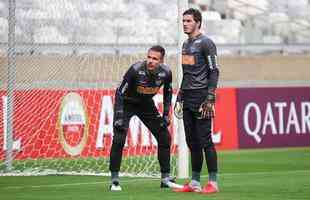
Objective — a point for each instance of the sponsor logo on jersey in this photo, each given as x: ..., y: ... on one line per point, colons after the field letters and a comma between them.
x: 162, y: 74
x: 141, y: 72
x: 147, y: 90
x: 188, y: 59
x: 197, y: 41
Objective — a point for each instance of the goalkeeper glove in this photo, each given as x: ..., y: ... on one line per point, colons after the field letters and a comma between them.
x: 178, y: 106
x: 178, y: 110
x: 207, y: 107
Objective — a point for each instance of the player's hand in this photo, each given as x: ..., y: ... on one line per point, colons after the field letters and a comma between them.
x: 178, y: 106
x: 178, y: 109
x: 165, y: 121
x: 179, y: 96
x: 207, y: 110
x: 207, y: 107
x: 118, y: 121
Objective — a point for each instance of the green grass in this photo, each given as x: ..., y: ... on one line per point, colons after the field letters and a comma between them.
x: 268, y: 174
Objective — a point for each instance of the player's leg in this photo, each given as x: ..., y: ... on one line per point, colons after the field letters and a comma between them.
x: 189, y: 120
x: 118, y: 143
x: 204, y: 125
x: 193, y: 142
x: 151, y: 118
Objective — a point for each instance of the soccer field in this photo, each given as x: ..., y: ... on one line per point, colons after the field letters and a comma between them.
x: 247, y: 174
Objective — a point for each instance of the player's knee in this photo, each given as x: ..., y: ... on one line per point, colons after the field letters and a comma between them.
x: 164, y: 145
x: 209, y: 144
x: 164, y: 139
x: 118, y: 128
x: 164, y: 142
x: 119, y: 140
x: 195, y: 147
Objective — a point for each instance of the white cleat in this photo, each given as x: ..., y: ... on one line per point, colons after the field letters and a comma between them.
x: 115, y: 186
x: 174, y: 185
x: 169, y: 182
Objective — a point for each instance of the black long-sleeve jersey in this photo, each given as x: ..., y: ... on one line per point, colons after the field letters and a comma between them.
x: 139, y: 86
x: 199, y: 63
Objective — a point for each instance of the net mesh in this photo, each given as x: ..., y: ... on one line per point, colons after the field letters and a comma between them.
x: 70, y: 56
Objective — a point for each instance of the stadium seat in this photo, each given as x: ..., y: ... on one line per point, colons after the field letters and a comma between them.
x: 251, y: 34
x: 49, y: 34
x: 3, y: 30
x: 244, y: 8
x: 279, y: 24
x: 272, y: 39
x: 229, y: 29
x: 3, y: 10
x: 220, y: 5
x: 297, y: 3
x: 211, y: 15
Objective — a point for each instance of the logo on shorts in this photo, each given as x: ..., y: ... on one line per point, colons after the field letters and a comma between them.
x: 73, y: 124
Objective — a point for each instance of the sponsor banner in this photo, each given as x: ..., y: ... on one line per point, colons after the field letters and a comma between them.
x: 273, y: 117
x: 225, y: 122
x: 60, y: 123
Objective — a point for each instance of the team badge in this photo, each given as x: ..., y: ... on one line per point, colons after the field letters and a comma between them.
x: 158, y: 82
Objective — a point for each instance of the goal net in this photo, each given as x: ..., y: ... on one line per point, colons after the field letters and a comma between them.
x: 59, y: 67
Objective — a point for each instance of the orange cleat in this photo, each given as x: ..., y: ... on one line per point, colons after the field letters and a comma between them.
x: 210, y: 188
x: 188, y: 188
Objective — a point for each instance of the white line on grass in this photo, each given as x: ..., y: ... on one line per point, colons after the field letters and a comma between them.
x: 74, y: 184
x: 153, y: 179
x: 262, y: 173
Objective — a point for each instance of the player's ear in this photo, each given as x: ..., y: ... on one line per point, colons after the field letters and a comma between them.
x: 162, y: 60
x: 199, y: 24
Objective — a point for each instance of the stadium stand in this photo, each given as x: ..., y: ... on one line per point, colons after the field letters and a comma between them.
x: 228, y: 21
x: 3, y: 29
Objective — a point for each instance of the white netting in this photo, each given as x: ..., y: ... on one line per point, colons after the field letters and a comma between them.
x: 70, y: 56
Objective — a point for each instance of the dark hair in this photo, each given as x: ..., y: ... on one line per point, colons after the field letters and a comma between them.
x: 195, y: 13
x: 159, y: 49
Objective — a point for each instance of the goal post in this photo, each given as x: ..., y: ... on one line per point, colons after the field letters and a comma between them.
x: 10, y: 85
x: 183, y: 154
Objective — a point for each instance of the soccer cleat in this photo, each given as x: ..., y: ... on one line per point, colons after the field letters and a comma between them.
x: 164, y: 182
x: 188, y: 188
x: 210, y: 188
x: 169, y: 182
x: 115, y: 186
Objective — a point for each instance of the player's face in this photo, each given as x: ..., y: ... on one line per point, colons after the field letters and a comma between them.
x: 153, y: 60
x: 189, y: 24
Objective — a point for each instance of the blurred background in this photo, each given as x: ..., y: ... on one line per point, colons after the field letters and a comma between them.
x: 115, y: 33
x: 145, y: 22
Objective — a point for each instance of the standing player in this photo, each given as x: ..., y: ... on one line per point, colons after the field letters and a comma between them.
x: 197, y: 94
x: 134, y: 97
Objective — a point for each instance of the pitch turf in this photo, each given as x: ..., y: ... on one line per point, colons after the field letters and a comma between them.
x: 268, y: 174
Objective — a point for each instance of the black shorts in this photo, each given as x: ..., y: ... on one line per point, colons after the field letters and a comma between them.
x: 192, y: 99
x: 197, y: 130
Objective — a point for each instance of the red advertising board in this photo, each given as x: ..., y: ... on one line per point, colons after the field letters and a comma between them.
x: 225, y: 122
x: 61, y: 123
